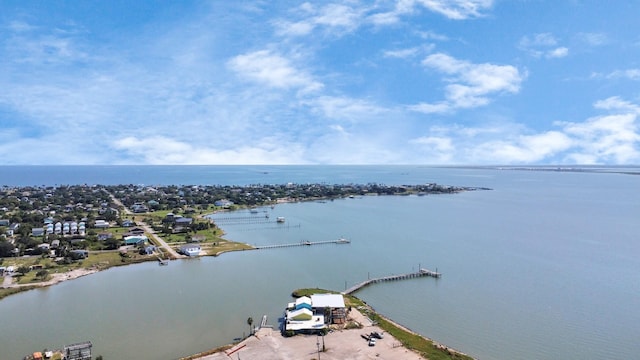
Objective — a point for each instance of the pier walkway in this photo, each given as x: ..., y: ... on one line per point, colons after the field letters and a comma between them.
x: 304, y: 243
x: 422, y: 272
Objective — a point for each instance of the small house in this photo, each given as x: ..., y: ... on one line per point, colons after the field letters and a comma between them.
x: 101, y: 224
x: 183, y: 221
x: 104, y: 236
x: 190, y: 249
x: 135, y: 240
x: 37, y: 232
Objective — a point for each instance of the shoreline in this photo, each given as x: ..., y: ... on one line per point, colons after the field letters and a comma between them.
x: 58, y: 278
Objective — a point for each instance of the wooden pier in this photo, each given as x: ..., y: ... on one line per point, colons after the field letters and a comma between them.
x: 304, y: 243
x: 421, y: 273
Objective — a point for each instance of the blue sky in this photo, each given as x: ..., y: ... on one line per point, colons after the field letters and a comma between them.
x: 437, y: 82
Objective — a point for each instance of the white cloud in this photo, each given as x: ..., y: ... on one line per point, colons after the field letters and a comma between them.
x: 272, y: 70
x: 457, y: 9
x: 629, y: 74
x: 611, y: 138
x: 435, y: 149
x: 558, y: 52
x: 593, y: 39
x: 334, y: 18
x: 523, y: 148
x: 402, y: 53
x: 165, y: 150
x: 470, y: 85
x: 543, y: 45
x: 344, y: 108
x: 340, y: 18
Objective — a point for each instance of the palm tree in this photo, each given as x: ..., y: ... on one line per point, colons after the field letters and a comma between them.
x: 250, y: 322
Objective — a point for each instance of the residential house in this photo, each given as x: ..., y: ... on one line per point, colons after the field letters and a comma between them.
x: 135, y: 240
x: 311, y: 314
x: 139, y: 208
x: 223, y: 203
x: 37, y: 232
x: 101, y: 224
x: 190, y: 249
x: 4, y: 222
x: 183, y: 221
x: 136, y: 231
x: 104, y: 236
x: 128, y: 223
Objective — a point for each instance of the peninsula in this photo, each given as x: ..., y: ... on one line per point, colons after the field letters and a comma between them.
x: 53, y: 234
x: 50, y: 234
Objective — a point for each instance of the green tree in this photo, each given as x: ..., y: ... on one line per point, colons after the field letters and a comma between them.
x: 6, y: 248
x: 250, y: 322
x: 23, y: 269
x: 42, y: 274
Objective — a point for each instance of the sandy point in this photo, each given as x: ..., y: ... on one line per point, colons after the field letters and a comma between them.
x: 269, y: 344
x: 54, y: 278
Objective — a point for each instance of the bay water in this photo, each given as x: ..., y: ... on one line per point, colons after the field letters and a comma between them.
x: 544, y: 266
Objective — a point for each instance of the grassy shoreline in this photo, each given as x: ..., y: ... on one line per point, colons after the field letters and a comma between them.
x: 411, y: 340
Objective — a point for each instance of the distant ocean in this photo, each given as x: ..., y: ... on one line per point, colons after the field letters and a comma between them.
x: 544, y: 266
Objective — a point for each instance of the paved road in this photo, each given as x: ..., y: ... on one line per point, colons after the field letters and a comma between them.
x: 160, y: 241
x: 163, y: 244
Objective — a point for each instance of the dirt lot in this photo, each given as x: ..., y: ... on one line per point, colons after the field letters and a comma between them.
x: 269, y: 344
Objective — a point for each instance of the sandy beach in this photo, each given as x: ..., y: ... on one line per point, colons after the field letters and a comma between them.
x: 54, y: 278
x: 269, y: 344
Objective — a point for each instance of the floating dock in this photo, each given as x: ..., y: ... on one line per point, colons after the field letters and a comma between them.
x: 304, y: 243
x: 420, y: 273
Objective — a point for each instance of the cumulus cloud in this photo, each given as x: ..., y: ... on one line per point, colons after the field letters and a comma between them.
x: 457, y: 9
x: 611, y: 138
x: 164, y: 150
x: 334, y: 18
x: 542, y: 45
x: 341, y: 18
x: 401, y: 53
x: 273, y: 70
x: 470, y: 85
x: 344, y: 108
x: 593, y: 39
x: 629, y: 74
x: 523, y: 148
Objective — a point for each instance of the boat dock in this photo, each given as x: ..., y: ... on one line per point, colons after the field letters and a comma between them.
x: 420, y: 273
x: 304, y: 243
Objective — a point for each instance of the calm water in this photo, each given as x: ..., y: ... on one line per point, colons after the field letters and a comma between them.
x: 545, y: 266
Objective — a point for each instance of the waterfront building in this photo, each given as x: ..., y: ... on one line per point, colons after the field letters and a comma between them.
x: 190, y: 249
x: 310, y: 314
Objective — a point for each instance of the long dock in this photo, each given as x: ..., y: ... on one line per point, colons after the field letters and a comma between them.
x: 422, y: 272
x: 304, y: 243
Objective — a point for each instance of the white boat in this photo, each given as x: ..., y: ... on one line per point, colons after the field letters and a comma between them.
x: 280, y: 219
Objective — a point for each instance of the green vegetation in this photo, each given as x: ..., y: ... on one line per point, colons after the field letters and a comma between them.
x: 10, y: 291
x: 310, y: 291
x: 427, y: 348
